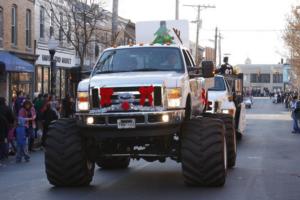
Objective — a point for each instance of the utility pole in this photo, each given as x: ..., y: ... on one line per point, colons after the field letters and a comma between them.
x: 198, y: 21
x: 114, y: 25
x: 220, y: 50
x: 177, y: 10
x: 216, y: 45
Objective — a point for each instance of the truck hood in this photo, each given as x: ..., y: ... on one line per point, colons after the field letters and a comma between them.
x: 168, y: 79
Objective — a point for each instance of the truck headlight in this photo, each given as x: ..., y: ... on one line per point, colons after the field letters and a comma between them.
x: 174, y: 97
x: 83, y: 101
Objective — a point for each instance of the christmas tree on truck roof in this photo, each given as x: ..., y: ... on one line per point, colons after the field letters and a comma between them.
x: 162, y: 35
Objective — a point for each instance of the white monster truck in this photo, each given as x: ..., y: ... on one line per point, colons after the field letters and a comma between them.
x: 140, y: 102
x: 226, y: 100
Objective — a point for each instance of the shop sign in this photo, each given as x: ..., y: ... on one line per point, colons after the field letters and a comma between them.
x: 62, y: 60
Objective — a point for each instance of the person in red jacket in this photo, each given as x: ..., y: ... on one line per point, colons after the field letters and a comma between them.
x: 28, y: 112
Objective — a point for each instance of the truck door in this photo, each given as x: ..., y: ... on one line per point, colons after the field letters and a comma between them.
x: 194, y: 84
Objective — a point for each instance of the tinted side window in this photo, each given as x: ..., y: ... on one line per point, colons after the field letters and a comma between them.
x: 219, y: 84
x: 186, y: 58
x: 191, y: 58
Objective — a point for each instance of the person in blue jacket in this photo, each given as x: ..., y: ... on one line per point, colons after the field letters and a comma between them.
x: 21, y: 139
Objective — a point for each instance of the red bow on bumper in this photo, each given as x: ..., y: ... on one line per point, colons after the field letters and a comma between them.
x: 146, y: 93
x: 105, y: 94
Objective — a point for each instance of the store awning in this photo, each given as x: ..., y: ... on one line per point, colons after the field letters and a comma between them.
x: 15, y: 64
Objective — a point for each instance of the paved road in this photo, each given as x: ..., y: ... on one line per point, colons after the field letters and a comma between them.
x: 268, y: 167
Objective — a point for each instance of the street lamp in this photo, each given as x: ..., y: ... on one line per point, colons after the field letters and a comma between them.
x: 52, y: 45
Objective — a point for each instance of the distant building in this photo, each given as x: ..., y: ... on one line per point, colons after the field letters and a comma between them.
x: 262, y: 78
x: 64, y: 55
x: 17, y: 55
x: 209, y: 54
x: 200, y: 51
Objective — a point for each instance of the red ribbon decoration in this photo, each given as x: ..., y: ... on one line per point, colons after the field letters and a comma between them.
x: 125, y: 105
x: 105, y: 94
x: 146, y: 93
x: 204, y: 99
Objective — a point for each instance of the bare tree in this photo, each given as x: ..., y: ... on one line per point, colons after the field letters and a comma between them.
x: 76, y: 23
x: 291, y: 37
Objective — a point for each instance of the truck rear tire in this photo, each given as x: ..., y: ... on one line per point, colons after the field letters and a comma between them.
x: 66, y: 161
x: 113, y: 162
x: 203, y: 153
x: 230, y: 135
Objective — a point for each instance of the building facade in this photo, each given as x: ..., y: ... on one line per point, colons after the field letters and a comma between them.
x: 209, y: 54
x: 262, y: 79
x: 64, y: 55
x: 17, y: 47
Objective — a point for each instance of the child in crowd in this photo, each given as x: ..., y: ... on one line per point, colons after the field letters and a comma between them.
x: 21, y: 138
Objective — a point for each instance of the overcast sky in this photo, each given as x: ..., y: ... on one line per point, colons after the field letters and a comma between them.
x: 250, y: 28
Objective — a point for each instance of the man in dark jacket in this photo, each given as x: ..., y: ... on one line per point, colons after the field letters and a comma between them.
x: 6, y: 121
x: 226, y: 68
x: 49, y: 116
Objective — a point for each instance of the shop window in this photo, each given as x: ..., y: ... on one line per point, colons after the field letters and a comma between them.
x: 21, y: 82
x: 42, y: 22
x: 14, y: 25
x: 28, y: 28
x: 57, y: 84
x: 46, y: 80
x: 39, y: 79
x: 1, y: 27
x: 42, y: 80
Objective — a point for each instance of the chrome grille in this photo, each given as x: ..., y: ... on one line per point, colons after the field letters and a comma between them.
x: 132, y: 91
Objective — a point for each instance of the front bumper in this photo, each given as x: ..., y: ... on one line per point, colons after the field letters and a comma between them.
x: 147, y: 123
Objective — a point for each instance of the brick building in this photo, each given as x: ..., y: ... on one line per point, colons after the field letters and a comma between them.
x: 17, y: 54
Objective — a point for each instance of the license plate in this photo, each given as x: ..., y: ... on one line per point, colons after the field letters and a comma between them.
x: 126, y: 123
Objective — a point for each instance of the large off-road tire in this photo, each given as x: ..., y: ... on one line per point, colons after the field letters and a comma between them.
x: 230, y: 135
x: 113, y: 162
x: 66, y: 161
x: 203, y: 152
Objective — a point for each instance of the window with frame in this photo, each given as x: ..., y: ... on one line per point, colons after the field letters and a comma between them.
x: 69, y: 30
x: 1, y: 27
x: 260, y: 78
x: 60, y: 36
x: 14, y: 25
x: 28, y: 28
x: 42, y: 22
x: 51, y: 23
x: 277, y: 78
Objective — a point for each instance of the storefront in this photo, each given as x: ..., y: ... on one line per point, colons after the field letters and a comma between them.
x: 65, y: 61
x: 15, y: 75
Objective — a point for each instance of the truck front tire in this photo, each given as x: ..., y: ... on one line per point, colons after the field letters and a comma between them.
x: 203, y: 152
x: 66, y: 161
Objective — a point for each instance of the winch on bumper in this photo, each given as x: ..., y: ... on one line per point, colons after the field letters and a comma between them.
x: 130, y: 124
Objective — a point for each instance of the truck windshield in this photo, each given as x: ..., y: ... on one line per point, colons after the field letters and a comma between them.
x: 219, y: 84
x: 140, y: 59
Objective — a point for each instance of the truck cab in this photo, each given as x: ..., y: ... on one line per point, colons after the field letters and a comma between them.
x: 136, y: 86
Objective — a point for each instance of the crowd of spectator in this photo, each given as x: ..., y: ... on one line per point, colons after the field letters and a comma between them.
x: 24, y: 123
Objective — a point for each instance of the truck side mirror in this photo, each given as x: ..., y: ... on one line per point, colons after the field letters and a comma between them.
x: 207, y: 69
